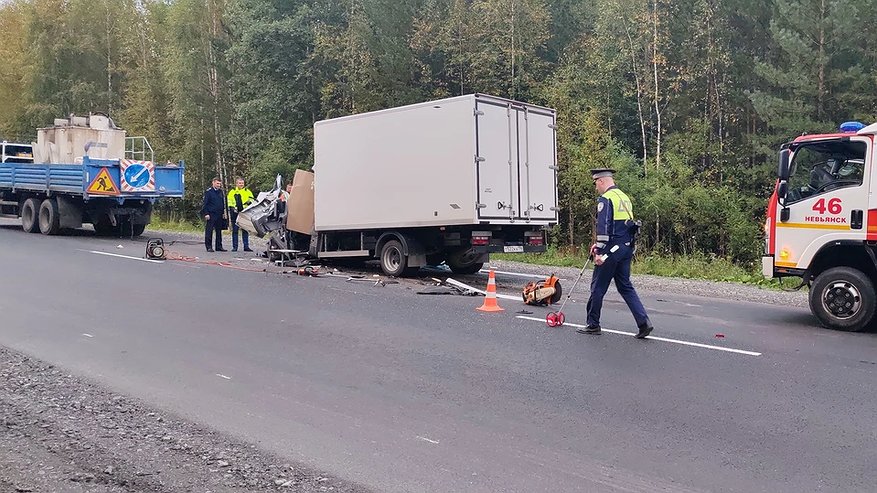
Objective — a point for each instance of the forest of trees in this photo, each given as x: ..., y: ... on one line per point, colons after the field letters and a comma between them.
x: 688, y: 99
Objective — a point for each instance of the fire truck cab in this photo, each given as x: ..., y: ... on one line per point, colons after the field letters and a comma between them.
x: 822, y: 224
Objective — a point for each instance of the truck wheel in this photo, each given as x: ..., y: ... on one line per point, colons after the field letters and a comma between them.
x: 463, y: 262
x: 103, y: 227
x: 843, y: 298
x: 50, y: 220
x: 127, y: 230
x: 30, y: 213
x: 393, y: 261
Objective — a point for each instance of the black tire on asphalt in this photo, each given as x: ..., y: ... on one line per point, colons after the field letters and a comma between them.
x: 843, y: 298
x: 393, y: 261
x: 50, y: 218
x: 30, y: 215
x: 103, y: 227
x: 467, y: 269
x: 123, y: 229
x: 460, y: 264
x: 139, y: 229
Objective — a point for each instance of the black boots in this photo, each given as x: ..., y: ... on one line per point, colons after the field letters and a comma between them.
x: 591, y: 329
x: 644, y: 330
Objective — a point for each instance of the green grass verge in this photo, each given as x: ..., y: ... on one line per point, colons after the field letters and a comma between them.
x: 175, y: 226
x: 687, y: 267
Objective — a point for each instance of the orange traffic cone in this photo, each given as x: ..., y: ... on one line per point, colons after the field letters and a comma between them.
x: 490, y: 304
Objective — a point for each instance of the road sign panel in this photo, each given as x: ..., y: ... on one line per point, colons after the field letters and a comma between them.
x: 102, y: 184
x: 137, y: 176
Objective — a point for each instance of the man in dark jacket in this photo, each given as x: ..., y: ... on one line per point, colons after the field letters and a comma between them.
x: 212, y: 212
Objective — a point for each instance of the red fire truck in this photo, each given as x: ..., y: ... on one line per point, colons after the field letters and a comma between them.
x: 822, y: 223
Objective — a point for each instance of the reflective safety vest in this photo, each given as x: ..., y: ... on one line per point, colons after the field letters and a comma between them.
x: 614, y: 219
x: 245, y: 194
x: 622, y: 207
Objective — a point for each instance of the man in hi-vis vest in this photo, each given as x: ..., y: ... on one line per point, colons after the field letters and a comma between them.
x: 613, y: 253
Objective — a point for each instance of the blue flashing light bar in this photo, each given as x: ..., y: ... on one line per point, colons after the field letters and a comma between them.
x: 851, y: 127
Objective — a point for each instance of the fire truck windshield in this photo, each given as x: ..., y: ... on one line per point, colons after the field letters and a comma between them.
x: 821, y: 167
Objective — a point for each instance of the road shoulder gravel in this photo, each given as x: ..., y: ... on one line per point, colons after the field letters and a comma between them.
x: 59, y: 432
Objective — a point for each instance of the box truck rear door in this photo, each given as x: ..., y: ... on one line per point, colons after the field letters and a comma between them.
x: 538, y: 165
x: 496, y: 127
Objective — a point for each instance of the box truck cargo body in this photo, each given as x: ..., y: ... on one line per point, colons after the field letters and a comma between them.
x: 443, y: 181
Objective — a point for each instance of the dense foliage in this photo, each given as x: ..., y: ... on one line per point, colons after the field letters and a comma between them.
x: 688, y: 98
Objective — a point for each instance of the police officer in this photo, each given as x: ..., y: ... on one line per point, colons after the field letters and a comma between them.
x: 238, y: 199
x: 613, y: 253
x: 213, y: 211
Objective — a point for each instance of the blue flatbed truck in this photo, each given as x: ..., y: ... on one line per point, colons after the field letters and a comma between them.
x: 53, y: 198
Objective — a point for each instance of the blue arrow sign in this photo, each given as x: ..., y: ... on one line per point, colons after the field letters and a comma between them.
x: 137, y: 175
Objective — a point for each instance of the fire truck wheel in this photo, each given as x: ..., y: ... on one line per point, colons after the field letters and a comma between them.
x: 843, y: 298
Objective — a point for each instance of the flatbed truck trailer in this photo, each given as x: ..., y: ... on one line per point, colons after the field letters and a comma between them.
x: 116, y: 196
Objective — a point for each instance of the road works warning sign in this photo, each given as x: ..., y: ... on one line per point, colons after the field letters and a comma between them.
x: 103, y: 184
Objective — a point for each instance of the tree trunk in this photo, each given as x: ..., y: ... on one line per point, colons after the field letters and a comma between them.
x: 657, y: 92
x: 658, y: 230
x: 215, y: 89
x: 201, y: 167
x: 109, y: 33
x: 820, y: 91
x: 514, y: 82
x: 639, y: 97
x: 572, y: 229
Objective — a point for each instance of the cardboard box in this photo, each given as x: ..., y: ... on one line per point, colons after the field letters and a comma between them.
x: 301, y: 203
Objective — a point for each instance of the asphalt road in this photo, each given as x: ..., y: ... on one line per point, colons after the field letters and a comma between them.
x: 403, y: 392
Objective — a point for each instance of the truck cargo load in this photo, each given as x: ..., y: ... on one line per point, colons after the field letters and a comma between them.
x: 68, y: 140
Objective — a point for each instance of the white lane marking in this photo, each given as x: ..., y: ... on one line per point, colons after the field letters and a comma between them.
x: 125, y: 256
x: 220, y: 375
x: 87, y: 335
x: 427, y: 439
x: 662, y: 339
x: 466, y: 286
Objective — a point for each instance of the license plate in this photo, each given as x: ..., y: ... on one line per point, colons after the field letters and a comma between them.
x: 513, y: 249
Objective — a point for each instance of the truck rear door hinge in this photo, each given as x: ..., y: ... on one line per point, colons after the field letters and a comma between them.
x: 479, y: 113
x: 552, y: 126
x: 481, y: 206
x: 479, y: 159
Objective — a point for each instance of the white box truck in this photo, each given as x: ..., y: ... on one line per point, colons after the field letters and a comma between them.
x: 443, y: 181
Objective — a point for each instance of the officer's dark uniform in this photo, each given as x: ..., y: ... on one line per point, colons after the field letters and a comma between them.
x: 615, y: 238
x: 214, y: 205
